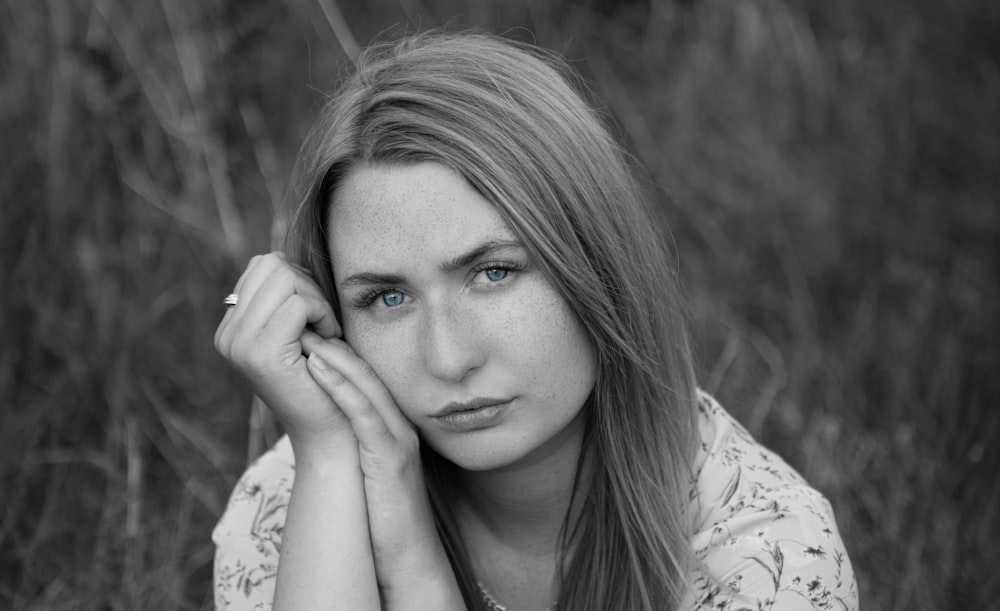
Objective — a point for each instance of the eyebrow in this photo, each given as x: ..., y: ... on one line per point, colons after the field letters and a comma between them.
x: 482, y: 250
x: 457, y: 263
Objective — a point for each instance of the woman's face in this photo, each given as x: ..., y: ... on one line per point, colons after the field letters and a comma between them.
x: 479, y: 351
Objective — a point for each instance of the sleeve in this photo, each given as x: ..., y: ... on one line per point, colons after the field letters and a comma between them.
x: 768, y: 540
x: 782, y: 557
x: 248, y: 536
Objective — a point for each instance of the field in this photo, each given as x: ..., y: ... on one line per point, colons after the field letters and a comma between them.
x: 829, y: 171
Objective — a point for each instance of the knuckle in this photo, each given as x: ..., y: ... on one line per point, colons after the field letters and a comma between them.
x: 283, y: 274
x: 268, y: 261
x: 296, y: 301
x: 224, y: 341
x: 334, y: 378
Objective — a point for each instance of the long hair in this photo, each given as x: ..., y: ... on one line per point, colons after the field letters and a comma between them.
x: 510, y: 120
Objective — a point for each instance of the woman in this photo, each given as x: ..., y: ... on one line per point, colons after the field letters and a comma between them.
x: 477, y: 351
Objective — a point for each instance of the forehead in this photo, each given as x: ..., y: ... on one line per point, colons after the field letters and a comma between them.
x: 389, y: 215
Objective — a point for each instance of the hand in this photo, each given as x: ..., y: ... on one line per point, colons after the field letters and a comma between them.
x: 409, y: 556
x: 260, y: 337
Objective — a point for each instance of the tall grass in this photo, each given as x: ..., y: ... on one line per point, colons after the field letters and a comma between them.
x: 828, y: 170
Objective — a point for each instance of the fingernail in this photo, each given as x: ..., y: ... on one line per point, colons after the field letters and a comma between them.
x: 317, y: 362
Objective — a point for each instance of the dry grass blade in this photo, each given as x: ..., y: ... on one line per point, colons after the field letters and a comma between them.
x: 342, y: 31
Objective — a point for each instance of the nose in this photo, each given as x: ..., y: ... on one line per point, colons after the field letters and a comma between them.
x: 451, y: 344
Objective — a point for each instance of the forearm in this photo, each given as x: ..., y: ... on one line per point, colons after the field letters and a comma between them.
x: 326, y: 556
x: 422, y: 573
x: 411, y: 567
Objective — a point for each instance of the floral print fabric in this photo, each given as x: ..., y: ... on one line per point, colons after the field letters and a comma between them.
x: 764, y: 540
x: 248, y: 537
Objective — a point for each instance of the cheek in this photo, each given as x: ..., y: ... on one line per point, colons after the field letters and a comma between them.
x: 556, y: 349
x: 388, y: 352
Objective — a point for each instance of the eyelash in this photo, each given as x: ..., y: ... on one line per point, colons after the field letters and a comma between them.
x: 367, y: 299
x: 507, y: 266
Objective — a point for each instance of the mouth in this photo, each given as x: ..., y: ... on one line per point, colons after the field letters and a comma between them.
x: 472, y: 415
x: 469, y: 406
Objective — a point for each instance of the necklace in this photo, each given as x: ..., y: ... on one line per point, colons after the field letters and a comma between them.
x: 493, y: 605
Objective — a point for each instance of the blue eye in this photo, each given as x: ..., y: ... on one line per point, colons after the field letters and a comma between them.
x: 496, y: 275
x: 392, y: 298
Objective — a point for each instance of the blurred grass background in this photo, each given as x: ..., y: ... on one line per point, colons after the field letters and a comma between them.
x: 830, y: 172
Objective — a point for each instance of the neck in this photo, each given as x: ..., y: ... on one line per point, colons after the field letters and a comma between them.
x: 510, y: 521
x: 524, y: 505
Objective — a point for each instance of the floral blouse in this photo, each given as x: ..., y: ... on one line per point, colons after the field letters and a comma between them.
x: 764, y: 539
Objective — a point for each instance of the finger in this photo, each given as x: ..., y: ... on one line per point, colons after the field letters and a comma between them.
x: 221, y: 334
x: 265, y: 286
x: 245, y: 289
x: 280, y: 284
x: 369, y: 426
x: 284, y: 328
x: 246, y: 285
x: 312, y: 340
x: 252, y: 264
x: 339, y: 355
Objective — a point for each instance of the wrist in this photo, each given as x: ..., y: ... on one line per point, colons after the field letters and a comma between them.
x: 313, y: 450
x: 436, y: 590
x: 423, y: 573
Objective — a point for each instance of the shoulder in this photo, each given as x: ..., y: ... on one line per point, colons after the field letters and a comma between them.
x: 248, y: 535
x: 763, y: 537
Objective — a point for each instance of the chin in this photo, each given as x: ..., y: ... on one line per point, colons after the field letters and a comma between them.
x: 479, y: 461
x: 479, y: 455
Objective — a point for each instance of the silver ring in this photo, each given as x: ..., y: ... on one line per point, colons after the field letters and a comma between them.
x: 231, y: 299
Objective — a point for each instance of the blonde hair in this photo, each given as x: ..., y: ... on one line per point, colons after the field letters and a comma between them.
x: 507, y: 118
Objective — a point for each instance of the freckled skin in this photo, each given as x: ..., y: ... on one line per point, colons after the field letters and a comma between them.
x: 458, y: 335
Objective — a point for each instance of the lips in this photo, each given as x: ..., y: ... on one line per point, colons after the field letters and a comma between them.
x: 472, y: 415
x: 469, y: 406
